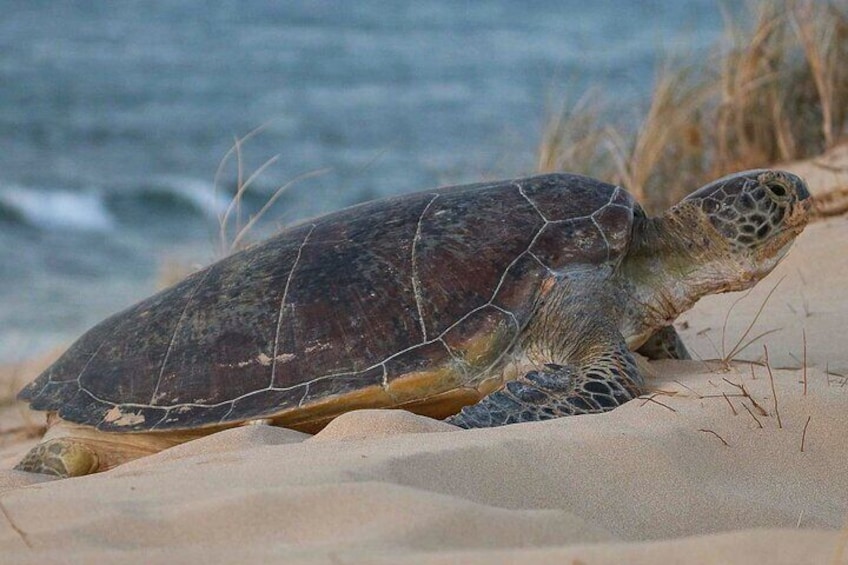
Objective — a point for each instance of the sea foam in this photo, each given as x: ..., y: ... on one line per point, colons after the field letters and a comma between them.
x: 57, y: 209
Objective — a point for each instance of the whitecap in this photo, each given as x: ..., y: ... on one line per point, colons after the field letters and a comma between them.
x: 201, y: 194
x: 59, y: 208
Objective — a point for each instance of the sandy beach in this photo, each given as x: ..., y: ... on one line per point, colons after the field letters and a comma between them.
x: 728, y: 459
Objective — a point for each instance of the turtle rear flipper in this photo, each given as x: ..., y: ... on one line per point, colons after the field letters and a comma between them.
x: 665, y: 343
x: 71, y: 450
x: 61, y: 457
x: 599, y: 384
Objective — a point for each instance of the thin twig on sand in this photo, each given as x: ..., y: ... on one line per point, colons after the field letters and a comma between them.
x: 804, y: 433
x: 773, y: 391
x: 21, y: 534
x: 716, y: 435
x: 752, y: 415
x: 732, y: 409
x: 760, y: 409
x: 655, y: 401
x: 804, y: 335
x: 690, y: 389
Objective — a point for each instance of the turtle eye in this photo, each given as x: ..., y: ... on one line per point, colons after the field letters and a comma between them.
x: 778, y: 191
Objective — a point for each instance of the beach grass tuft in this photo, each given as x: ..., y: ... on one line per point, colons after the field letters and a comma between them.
x: 775, y: 89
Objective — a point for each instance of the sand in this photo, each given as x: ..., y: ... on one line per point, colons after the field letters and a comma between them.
x: 721, y: 462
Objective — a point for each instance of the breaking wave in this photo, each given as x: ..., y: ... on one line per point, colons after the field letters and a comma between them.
x: 166, y: 199
x: 55, y: 209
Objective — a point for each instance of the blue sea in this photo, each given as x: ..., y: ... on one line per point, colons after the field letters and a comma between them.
x: 115, y: 116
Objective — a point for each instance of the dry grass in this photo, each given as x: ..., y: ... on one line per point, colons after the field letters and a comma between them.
x: 233, y: 231
x: 741, y: 344
x: 773, y: 91
x: 573, y: 139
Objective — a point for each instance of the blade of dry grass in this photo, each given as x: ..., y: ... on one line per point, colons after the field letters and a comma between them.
x: 721, y: 439
x: 270, y: 201
x: 759, y: 424
x: 228, y: 155
x: 234, y: 208
x: 22, y: 535
x: 804, y: 433
x: 773, y: 391
x: 739, y: 347
x: 804, y: 339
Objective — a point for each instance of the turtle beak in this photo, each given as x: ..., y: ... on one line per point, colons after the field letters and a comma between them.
x: 807, y: 202
x: 802, y: 193
x: 800, y: 212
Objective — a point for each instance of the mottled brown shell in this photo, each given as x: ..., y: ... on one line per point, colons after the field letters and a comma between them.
x: 364, y: 307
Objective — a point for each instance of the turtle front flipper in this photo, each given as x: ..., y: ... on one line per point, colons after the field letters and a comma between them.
x: 665, y: 343
x: 600, y: 384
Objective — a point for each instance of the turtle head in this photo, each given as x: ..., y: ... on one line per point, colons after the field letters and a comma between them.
x: 754, y: 216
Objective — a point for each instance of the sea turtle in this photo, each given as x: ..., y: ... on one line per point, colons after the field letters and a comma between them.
x: 487, y: 304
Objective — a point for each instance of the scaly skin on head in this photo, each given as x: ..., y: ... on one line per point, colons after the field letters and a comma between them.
x: 726, y: 236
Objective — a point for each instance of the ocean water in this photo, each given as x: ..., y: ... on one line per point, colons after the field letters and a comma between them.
x: 114, y: 118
